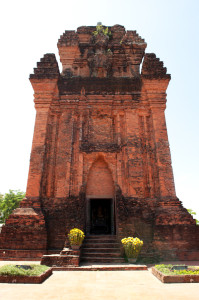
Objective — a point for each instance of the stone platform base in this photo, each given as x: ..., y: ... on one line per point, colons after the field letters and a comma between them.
x: 103, y: 267
x: 57, y: 260
x: 67, y: 257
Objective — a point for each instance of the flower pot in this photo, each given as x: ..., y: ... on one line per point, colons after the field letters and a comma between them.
x: 75, y: 247
x: 132, y: 247
x: 132, y: 260
x: 76, y: 237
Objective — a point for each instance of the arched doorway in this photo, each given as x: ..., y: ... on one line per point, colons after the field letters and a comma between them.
x: 100, y: 204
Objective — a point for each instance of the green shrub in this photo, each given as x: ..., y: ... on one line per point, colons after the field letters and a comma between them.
x: 9, y: 202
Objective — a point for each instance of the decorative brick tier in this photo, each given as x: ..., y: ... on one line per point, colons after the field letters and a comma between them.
x: 12, y: 254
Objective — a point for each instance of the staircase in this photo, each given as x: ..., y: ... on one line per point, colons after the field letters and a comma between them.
x: 101, y: 249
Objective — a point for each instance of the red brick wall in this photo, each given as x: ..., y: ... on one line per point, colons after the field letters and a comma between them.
x: 100, y: 182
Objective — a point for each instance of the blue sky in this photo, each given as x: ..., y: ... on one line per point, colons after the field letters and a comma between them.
x: 31, y: 29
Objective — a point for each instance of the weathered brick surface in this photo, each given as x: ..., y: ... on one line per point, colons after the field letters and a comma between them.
x: 25, y: 229
x: 100, y: 132
x: 60, y: 260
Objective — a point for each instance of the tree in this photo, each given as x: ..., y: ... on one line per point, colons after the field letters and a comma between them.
x: 193, y: 213
x: 9, y: 202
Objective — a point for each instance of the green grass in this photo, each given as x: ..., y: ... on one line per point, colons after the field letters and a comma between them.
x: 13, y: 270
x: 166, y: 269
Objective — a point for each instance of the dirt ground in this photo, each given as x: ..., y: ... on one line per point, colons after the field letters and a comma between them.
x: 72, y: 285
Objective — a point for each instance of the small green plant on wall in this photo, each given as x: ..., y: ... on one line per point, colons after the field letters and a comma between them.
x: 101, y: 30
x: 193, y: 213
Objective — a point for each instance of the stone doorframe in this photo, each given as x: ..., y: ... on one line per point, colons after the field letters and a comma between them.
x: 88, y: 212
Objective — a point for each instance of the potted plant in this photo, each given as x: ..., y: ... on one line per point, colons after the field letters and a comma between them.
x: 132, y: 247
x: 76, y: 237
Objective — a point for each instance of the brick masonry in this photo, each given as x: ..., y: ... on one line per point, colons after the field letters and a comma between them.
x: 100, y: 132
x: 175, y: 278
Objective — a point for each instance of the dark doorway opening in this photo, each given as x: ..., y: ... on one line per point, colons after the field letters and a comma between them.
x: 100, y: 216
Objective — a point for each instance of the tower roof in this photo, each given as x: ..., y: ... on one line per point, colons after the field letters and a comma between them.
x: 101, y: 52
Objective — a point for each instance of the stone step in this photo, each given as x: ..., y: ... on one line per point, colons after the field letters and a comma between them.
x: 101, y: 245
x: 103, y: 260
x: 101, y: 255
x: 100, y: 250
x: 53, y: 251
x: 97, y: 241
x: 102, y: 267
x: 101, y: 238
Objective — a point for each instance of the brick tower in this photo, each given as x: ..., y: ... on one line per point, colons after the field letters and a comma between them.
x: 100, y: 158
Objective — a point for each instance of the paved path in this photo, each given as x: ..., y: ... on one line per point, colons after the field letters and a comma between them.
x: 72, y: 285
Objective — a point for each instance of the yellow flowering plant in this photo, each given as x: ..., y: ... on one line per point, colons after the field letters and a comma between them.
x: 76, y: 236
x: 132, y: 246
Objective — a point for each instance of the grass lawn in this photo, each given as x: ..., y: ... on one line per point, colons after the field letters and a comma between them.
x: 35, y: 270
x: 166, y: 270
